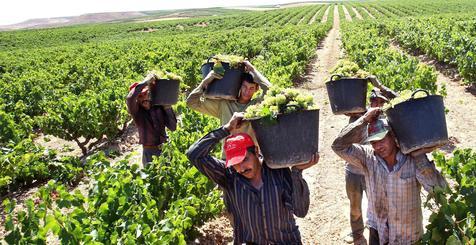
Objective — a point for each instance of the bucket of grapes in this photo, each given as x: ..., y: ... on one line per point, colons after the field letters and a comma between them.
x: 286, y: 125
x: 418, y: 120
x: 231, y: 68
x: 347, y: 95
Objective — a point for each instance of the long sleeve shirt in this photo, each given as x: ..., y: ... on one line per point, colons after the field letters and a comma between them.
x: 260, y: 216
x: 224, y: 109
x: 394, y: 195
x: 150, y: 123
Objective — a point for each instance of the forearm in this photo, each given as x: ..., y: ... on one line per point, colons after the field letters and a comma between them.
x: 300, y: 195
x: 387, y: 92
x: 427, y: 174
x: 204, y: 146
x: 263, y: 82
x: 352, y: 133
x: 131, y: 99
x: 170, y: 119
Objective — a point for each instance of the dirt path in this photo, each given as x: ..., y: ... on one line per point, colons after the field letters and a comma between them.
x: 366, y: 11
x: 346, y: 13
x: 313, y: 19
x: 324, y: 18
x: 327, y: 220
x: 357, y: 14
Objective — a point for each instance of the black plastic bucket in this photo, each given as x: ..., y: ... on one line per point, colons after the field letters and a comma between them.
x: 419, y: 122
x: 226, y: 88
x: 289, y: 142
x: 165, y: 92
x: 347, y: 95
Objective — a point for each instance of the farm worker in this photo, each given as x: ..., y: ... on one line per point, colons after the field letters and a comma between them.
x: 150, y: 120
x: 354, y: 177
x: 262, y: 200
x: 394, y: 179
x: 223, y: 109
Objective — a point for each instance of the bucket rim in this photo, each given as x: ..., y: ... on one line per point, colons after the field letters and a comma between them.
x: 280, y: 114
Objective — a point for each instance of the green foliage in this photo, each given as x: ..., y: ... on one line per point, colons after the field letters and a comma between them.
x: 27, y: 163
x: 454, y: 208
x: 366, y: 45
x: 446, y: 38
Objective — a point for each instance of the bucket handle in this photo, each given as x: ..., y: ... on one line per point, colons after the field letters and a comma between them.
x: 336, y: 75
x: 420, y: 90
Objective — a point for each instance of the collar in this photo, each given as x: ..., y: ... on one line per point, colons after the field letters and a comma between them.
x: 401, y: 159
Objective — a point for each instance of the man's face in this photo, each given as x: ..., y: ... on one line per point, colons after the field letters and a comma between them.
x: 247, y: 90
x: 249, y: 167
x: 386, y: 146
x: 377, y: 102
x: 145, y: 102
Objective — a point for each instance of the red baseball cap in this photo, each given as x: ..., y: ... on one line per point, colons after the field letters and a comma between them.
x: 235, y: 148
x: 144, y: 90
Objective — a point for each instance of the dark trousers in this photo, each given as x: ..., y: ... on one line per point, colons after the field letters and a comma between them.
x: 355, y: 186
x: 148, y: 153
x: 373, y: 237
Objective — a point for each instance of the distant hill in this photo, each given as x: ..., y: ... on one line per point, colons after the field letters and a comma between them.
x: 116, y: 16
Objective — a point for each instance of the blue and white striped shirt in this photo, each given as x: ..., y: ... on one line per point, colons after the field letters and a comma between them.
x: 260, y: 216
x: 394, y: 195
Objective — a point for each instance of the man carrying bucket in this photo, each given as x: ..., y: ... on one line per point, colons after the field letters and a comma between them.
x: 262, y: 200
x: 150, y: 120
x: 223, y: 109
x: 394, y: 179
x: 354, y: 177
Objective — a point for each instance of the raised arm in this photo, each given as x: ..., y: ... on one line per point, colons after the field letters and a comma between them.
x: 131, y: 99
x: 427, y: 174
x: 170, y: 120
x: 198, y: 103
x: 347, y: 144
x: 259, y: 78
x: 199, y: 155
x: 387, y: 92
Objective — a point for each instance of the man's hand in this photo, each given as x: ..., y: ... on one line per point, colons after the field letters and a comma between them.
x: 209, y: 78
x: 314, y: 160
x: 374, y: 81
x: 248, y: 66
x: 149, y: 79
x: 235, y: 121
x: 372, y: 114
x: 354, y: 114
x: 422, y: 151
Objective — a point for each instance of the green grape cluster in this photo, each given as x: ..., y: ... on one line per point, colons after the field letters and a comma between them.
x: 348, y: 68
x: 233, y: 60
x: 166, y: 75
x: 280, y: 100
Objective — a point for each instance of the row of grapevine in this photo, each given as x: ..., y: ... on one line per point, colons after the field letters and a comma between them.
x: 77, y: 91
x: 366, y: 45
x: 453, y: 220
x: 448, y: 39
x: 159, y: 204
x: 79, y: 95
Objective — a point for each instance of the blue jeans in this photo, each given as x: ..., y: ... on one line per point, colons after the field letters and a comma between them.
x: 355, y: 186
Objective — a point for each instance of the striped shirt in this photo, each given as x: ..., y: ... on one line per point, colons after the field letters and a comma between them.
x: 150, y: 123
x: 260, y: 216
x: 394, y: 195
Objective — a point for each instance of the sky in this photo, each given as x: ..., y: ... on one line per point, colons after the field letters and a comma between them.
x: 15, y: 11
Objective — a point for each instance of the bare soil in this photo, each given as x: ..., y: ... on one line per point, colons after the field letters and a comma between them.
x: 357, y: 14
x: 324, y: 18
x: 347, y: 14
x: 366, y: 11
